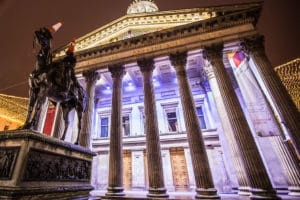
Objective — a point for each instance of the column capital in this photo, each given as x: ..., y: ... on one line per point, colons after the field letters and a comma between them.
x: 214, y: 51
x: 178, y: 58
x: 91, y: 75
x: 146, y: 64
x: 254, y: 43
x: 117, y: 71
x: 209, y: 72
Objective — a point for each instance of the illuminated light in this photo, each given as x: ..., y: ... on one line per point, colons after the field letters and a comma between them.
x: 100, y: 81
x: 129, y: 88
x: 13, y: 109
x: 107, y: 90
x: 130, y: 83
x: 155, y: 82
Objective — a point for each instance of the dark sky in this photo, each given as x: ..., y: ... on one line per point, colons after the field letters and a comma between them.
x: 279, y: 22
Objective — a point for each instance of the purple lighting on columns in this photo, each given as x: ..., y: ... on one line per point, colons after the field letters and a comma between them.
x: 155, y: 82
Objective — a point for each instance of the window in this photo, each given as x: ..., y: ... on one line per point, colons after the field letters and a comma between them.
x: 104, y: 127
x: 126, y: 125
x: 171, y: 116
x: 201, y: 118
x: 142, y: 120
x: 172, y: 121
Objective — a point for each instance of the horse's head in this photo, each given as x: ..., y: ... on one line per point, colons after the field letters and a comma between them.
x: 43, y: 37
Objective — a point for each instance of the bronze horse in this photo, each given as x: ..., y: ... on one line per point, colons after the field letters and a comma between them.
x: 55, y: 80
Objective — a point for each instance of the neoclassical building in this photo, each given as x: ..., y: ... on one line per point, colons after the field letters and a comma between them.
x: 185, y: 100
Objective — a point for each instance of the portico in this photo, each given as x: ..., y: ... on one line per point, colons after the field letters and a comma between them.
x: 169, y: 108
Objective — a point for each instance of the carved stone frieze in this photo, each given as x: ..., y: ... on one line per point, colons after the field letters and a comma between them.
x: 204, y: 79
x: 8, y: 157
x: 46, y: 166
x: 209, y: 72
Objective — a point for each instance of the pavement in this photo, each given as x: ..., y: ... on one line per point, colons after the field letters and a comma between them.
x: 142, y: 195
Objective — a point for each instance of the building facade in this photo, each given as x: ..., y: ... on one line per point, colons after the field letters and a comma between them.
x: 185, y: 100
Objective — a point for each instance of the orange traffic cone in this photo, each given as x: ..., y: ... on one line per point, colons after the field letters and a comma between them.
x: 71, y: 48
x: 55, y: 27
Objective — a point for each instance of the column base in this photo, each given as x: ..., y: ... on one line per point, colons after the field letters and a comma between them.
x: 210, y: 193
x: 261, y: 194
x: 157, y: 192
x: 294, y: 191
x: 115, y: 191
x: 244, y: 191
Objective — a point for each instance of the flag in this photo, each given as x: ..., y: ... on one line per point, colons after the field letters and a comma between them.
x: 236, y: 58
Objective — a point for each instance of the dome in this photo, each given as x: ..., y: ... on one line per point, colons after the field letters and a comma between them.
x: 142, y: 6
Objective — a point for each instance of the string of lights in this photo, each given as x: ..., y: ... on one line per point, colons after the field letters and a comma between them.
x: 13, y: 108
x: 14, y: 85
x: 289, y: 74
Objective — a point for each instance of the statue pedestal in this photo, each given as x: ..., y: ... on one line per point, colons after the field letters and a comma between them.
x: 35, y: 166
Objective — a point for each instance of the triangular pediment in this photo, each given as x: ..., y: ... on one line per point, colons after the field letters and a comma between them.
x: 133, y: 25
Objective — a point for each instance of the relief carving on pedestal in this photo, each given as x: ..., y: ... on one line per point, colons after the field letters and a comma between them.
x: 46, y: 166
x: 8, y: 157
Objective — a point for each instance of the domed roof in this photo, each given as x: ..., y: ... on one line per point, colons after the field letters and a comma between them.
x: 142, y: 6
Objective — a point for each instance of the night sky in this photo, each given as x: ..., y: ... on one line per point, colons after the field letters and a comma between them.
x: 279, y: 22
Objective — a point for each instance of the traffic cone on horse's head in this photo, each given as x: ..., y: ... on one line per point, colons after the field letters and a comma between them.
x: 55, y: 27
x: 71, y: 48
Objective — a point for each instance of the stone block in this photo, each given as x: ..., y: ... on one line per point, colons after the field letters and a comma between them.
x: 36, y: 166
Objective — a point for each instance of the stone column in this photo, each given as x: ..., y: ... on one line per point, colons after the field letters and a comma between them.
x: 286, y: 156
x: 205, y: 188
x: 228, y: 133
x: 289, y: 163
x: 155, y: 170
x: 87, y: 120
x: 261, y: 187
x: 115, y: 177
x: 58, y: 125
x: 287, y: 110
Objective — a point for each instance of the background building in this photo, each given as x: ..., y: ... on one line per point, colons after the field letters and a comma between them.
x: 289, y: 74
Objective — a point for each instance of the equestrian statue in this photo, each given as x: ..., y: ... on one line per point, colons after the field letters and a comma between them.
x: 55, y: 80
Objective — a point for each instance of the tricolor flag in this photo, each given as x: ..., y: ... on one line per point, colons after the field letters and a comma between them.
x: 236, y: 58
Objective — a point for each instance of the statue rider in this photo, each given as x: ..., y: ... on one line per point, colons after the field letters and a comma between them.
x: 54, y: 80
x: 69, y: 63
x: 43, y: 36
